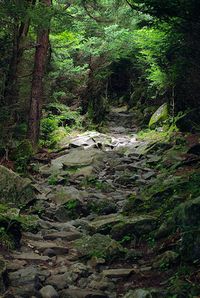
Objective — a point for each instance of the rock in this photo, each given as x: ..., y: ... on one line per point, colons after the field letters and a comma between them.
x: 167, y: 259
x: 186, y: 218
x: 118, y: 273
x: 70, y: 277
x: 49, y: 292
x: 49, y: 252
x: 133, y: 226
x: 77, y: 158
x: 41, y: 246
x: 139, y: 293
x: 26, y: 290
x: 61, y: 281
x: 71, y: 210
x: 64, y: 194
x: 23, y: 276
x: 104, y: 223
x: 16, y: 265
x: 30, y: 256
x: 69, y: 236
x: 102, y: 206
x: 102, y: 284
x: 3, y: 276
x: 83, y: 172
x: 82, y: 293
x: 195, y: 149
x: 15, y: 189
x: 160, y: 115
x: 187, y: 214
x: 189, y: 122
x: 98, y: 245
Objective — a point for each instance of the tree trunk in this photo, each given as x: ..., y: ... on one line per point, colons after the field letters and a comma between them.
x: 37, y: 83
x: 20, y: 31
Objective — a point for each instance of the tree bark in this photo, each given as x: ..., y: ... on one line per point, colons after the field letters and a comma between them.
x: 37, y: 83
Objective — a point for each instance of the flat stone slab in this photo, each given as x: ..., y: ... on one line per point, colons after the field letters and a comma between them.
x: 69, y: 236
x: 77, y: 158
x: 43, y: 245
x: 82, y: 293
x: 102, y: 221
x: 118, y: 273
x: 30, y: 257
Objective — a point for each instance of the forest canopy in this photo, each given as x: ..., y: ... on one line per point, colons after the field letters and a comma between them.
x: 93, y: 53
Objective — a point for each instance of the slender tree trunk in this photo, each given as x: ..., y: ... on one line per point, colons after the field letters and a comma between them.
x: 41, y: 54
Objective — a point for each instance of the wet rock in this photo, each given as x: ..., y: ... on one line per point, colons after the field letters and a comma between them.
x: 15, y: 189
x: 49, y: 292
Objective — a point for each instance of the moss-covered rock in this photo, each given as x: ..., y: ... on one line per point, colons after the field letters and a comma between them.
x: 160, y: 115
x: 133, y: 226
x: 98, y: 245
x: 15, y: 189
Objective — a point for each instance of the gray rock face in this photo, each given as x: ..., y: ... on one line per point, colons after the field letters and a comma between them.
x: 15, y: 189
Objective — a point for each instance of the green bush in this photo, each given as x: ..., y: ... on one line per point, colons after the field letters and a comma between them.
x: 57, y: 121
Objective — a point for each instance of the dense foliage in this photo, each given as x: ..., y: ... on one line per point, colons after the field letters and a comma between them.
x: 142, y: 53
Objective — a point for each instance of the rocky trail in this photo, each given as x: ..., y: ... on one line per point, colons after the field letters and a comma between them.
x: 87, y: 243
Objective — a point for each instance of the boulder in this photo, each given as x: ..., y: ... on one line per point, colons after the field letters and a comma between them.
x: 15, y: 189
x: 49, y: 292
x: 160, y: 115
